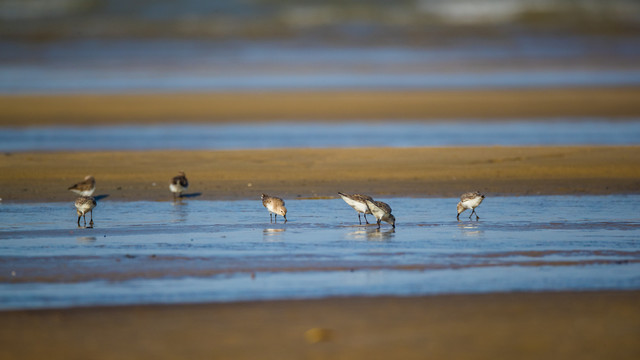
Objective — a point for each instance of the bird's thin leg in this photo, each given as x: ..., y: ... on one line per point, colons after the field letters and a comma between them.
x: 84, y: 218
x: 91, y: 222
x: 472, y: 212
x: 79, y: 216
x: 477, y: 217
x: 458, y: 217
x: 365, y: 219
x: 360, y: 221
x: 275, y: 218
x: 270, y: 218
x: 378, y: 224
x: 285, y: 218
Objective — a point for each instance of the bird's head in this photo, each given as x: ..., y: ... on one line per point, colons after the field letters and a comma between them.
x: 391, y: 220
x: 282, y: 211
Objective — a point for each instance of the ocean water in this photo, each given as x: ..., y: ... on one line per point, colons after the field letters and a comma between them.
x: 25, y: 80
x: 165, y: 65
x: 218, y: 251
x: 572, y: 131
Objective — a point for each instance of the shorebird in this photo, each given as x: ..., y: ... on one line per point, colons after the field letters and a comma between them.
x: 382, y: 212
x: 470, y: 200
x: 275, y: 205
x: 85, y: 204
x: 179, y: 183
x: 359, y: 203
x: 85, y: 187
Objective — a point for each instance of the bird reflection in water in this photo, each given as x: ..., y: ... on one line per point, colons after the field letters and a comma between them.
x: 179, y: 210
x: 86, y: 239
x: 470, y: 229
x: 372, y: 234
x: 273, y: 234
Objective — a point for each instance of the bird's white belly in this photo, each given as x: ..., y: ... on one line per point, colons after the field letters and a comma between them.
x: 378, y: 213
x: 472, y: 203
x: 84, y: 208
x: 176, y: 188
x: 360, y: 207
x: 270, y: 207
x: 84, y: 192
x: 357, y: 205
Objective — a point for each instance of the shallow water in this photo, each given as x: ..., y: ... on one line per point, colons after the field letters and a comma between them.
x: 211, y: 251
x: 353, y: 134
x: 25, y: 80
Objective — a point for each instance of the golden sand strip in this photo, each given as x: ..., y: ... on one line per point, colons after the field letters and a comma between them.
x: 591, y: 325
x: 25, y: 110
x: 304, y: 173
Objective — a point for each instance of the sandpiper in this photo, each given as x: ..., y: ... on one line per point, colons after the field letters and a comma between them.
x: 275, y: 205
x: 359, y: 203
x: 470, y: 200
x: 179, y: 183
x: 382, y: 212
x: 85, y: 204
x: 84, y: 188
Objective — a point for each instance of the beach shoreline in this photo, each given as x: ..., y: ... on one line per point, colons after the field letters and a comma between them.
x: 552, y: 325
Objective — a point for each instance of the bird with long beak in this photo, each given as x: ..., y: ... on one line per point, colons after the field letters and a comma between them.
x: 178, y: 184
x: 382, y: 212
x: 275, y: 205
x: 84, y: 205
x: 359, y: 203
x: 470, y: 200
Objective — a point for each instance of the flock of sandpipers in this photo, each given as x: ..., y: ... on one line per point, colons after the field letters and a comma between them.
x: 363, y: 204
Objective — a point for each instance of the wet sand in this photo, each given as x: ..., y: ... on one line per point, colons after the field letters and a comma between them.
x: 419, y: 105
x: 313, y: 173
x: 589, y: 325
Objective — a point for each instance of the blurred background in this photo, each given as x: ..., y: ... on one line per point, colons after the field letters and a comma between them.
x: 371, y: 21
x: 356, y: 62
x: 199, y: 45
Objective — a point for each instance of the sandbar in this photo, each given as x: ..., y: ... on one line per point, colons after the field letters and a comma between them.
x: 563, y: 325
x: 321, y: 173
x: 296, y: 106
